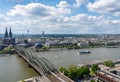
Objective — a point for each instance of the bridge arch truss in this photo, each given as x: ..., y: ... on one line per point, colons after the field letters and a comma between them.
x: 44, y: 64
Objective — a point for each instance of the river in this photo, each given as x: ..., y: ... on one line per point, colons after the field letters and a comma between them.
x: 66, y: 57
x: 13, y: 68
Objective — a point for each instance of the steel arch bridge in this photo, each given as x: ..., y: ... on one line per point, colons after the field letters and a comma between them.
x: 44, y: 64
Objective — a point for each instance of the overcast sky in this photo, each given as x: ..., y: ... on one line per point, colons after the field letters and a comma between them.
x: 60, y: 16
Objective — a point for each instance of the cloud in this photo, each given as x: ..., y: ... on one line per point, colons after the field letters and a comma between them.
x: 59, y: 19
x: 117, y: 13
x: 16, y: 0
x: 3, y: 22
x: 114, y: 22
x: 32, y: 9
x: 79, y: 3
x: 37, y: 9
x: 63, y: 4
x: 80, y: 23
x: 105, y: 7
x: 84, y: 23
x: 3, y: 18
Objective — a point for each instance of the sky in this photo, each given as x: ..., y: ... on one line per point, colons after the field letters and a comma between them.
x: 60, y: 16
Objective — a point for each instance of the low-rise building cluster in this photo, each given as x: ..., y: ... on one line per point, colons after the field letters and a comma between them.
x: 108, y: 74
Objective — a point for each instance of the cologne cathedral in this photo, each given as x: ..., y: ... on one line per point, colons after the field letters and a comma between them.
x: 8, y: 39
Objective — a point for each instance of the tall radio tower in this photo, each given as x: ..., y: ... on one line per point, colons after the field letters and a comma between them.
x: 42, y: 34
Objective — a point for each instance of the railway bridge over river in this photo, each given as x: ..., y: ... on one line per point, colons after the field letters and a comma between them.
x: 43, y: 66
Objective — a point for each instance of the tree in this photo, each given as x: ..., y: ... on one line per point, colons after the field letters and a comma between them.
x: 64, y: 70
x: 22, y: 81
x: 44, y: 48
x: 95, y: 67
x: 72, y: 74
x: 6, y: 50
x: 109, y: 63
x: 72, y: 67
x: 92, y: 80
x: 72, y: 71
x: 85, y: 70
x: 82, y: 71
x: 79, y: 73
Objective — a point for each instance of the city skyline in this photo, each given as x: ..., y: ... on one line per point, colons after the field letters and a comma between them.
x: 60, y: 16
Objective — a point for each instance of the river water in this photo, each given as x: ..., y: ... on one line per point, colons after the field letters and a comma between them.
x: 66, y: 57
x: 13, y: 68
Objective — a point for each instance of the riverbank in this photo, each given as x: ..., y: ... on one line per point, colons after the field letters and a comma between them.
x: 98, y: 62
x: 3, y: 55
x: 64, y: 48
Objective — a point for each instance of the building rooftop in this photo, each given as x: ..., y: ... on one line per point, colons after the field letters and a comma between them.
x: 112, y: 73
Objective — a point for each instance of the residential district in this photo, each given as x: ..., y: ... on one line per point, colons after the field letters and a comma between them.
x: 97, y: 71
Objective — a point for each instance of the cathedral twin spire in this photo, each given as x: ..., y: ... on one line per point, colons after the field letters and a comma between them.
x: 8, y: 35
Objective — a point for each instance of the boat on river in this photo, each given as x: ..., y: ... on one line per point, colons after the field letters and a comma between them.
x: 85, y: 52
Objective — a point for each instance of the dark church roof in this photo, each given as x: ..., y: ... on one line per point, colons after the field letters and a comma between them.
x: 8, y: 35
